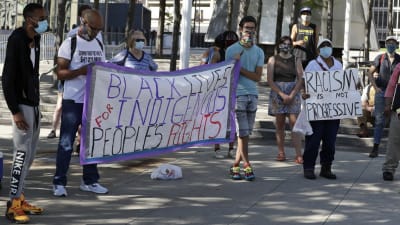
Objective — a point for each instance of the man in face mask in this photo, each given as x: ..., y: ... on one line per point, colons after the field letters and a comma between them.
x: 20, y: 82
x: 81, y: 11
x: 384, y: 65
x: 305, y: 37
x: 252, y: 61
x: 72, y: 68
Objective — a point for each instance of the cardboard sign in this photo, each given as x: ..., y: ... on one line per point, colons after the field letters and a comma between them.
x: 333, y: 94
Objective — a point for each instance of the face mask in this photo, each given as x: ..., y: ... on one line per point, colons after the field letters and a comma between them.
x: 325, y: 52
x: 41, y: 27
x: 391, y: 48
x: 246, y: 39
x: 285, y: 48
x: 81, y: 20
x: 87, y: 33
x: 139, y: 45
x: 305, y: 18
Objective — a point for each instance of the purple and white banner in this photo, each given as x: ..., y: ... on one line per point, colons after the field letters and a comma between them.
x: 130, y: 114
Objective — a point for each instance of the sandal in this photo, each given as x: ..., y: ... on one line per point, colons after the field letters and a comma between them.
x: 299, y: 160
x: 281, y: 157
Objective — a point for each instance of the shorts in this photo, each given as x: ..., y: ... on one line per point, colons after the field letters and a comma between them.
x: 246, y: 108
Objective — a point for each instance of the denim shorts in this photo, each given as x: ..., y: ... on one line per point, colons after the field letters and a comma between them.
x: 246, y: 108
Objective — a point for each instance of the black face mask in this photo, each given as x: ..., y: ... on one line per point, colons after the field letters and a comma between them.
x: 285, y: 48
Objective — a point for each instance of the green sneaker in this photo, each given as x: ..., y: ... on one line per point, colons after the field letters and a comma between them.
x: 235, y: 173
x: 248, y: 174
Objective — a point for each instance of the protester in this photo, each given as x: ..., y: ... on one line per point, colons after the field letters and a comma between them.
x: 392, y: 149
x: 134, y: 56
x: 57, y: 111
x: 367, y: 104
x: 81, y: 21
x: 20, y: 82
x: 305, y: 37
x: 73, y: 70
x: 285, y: 79
x: 323, y: 130
x: 216, y: 54
x: 252, y: 60
x: 384, y: 64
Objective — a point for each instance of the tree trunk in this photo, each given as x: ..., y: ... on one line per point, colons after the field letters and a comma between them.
x: 160, y: 34
x: 175, y: 38
x: 367, y: 41
x: 330, y: 20
x: 293, y: 15
x: 244, y: 6
x: 59, y: 32
x: 279, y: 21
x: 259, y: 19
x: 390, y: 17
x: 229, y: 18
x: 130, y: 16
x: 96, y: 4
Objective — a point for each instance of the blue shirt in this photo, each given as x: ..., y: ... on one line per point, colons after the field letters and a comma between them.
x: 250, y: 59
x: 145, y: 63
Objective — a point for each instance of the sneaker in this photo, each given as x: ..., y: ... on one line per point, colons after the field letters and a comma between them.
x: 15, y: 213
x: 231, y: 153
x: 59, y: 191
x: 28, y: 208
x: 248, y: 174
x: 388, y: 176
x: 95, y: 188
x: 235, y: 173
x: 52, y: 134
x: 218, y: 154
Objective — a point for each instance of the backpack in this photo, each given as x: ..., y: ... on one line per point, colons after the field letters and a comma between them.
x: 73, y: 48
x: 73, y: 45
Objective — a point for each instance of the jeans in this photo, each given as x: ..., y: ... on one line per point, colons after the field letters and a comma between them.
x: 71, y: 118
x: 393, y: 150
x: 246, y: 108
x: 379, y: 116
x: 325, y: 130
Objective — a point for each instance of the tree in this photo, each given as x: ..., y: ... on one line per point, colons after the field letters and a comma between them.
x: 244, y: 6
x: 229, y: 17
x: 160, y: 35
x: 330, y: 20
x: 390, y: 17
x: 130, y: 16
x: 279, y: 21
x: 367, y: 41
x: 175, y: 35
x: 96, y: 4
x: 259, y: 19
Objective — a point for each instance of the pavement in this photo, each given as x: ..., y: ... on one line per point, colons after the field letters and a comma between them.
x: 279, y: 195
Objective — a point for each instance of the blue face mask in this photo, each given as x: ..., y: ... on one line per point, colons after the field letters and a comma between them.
x: 391, y: 48
x: 42, y: 27
x: 325, y: 52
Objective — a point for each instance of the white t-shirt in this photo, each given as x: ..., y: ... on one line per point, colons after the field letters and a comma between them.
x: 86, y: 52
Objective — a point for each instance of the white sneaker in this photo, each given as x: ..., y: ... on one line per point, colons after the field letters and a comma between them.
x: 95, y: 188
x: 218, y: 154
x: 59, y: 191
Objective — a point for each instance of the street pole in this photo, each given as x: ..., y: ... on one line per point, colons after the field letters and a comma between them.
x: 185, y: 35
x: 346, y: 42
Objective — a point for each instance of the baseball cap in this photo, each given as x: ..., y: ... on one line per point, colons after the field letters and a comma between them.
x: 391, y: 38
x: 322, y: 40
x: 305, y: 9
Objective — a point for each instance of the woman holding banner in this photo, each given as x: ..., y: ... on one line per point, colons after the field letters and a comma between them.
x: 134, y: 56
x: 284, y: 77
x: 325, y: 130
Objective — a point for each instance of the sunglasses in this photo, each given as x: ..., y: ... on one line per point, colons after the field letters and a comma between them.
x: 139, y: 40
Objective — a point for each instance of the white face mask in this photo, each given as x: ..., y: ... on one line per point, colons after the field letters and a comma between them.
x: 139, y: 45
x: 305, y: 18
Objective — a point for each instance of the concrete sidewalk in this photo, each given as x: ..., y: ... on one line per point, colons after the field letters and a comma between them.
x: 206, y: 194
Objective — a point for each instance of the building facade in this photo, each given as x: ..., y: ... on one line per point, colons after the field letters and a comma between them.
x: 380, y: 18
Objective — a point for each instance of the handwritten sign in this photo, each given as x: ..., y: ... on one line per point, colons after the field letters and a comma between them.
x: 132, y: 114
x: 333, y: 95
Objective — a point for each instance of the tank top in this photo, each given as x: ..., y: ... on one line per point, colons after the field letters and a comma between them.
x: 307, y: 33
x: 284, y: 69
